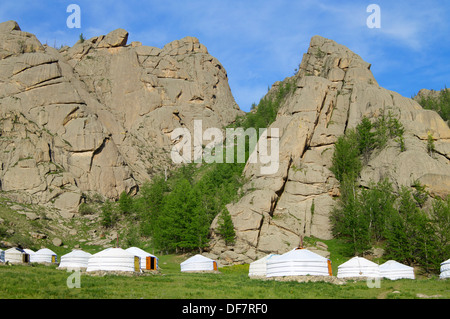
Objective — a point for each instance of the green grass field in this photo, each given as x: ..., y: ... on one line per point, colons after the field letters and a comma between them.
x: 47, y: 282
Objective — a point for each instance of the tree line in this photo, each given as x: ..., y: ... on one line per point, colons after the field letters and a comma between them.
x: 174, y: 214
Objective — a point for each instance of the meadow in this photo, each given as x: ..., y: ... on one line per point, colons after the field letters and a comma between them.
x: 38, y: 281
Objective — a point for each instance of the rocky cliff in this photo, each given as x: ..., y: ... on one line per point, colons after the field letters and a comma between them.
x: 97, y: 117
x: 335, y: 89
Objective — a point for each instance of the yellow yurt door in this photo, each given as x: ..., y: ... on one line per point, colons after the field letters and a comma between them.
x: 137, y: 263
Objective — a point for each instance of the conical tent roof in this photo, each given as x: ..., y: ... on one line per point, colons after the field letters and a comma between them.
x: 445, y: 269
x: 298, y: 262
x: 76, y: 259
x: 198, y: 263
x: 259, y: 267
x: 112, y: 259
x: 394, y: 270
x: 358, y: 267
x: 142, y: 254
x: 44, y: 255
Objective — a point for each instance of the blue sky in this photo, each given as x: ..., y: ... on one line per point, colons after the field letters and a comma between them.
x: 260, y: 42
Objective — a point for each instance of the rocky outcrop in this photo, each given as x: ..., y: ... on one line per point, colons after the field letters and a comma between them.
x: 335, y: 89
x: 143, y: 93
x: 97, y: 117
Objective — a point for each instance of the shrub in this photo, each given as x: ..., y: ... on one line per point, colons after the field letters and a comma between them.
x: 125, y: 203
x: 354, y: 148
x: 440, y: 104
x: 85, y: 209
x: 346, y: 154
x: 108, y: 216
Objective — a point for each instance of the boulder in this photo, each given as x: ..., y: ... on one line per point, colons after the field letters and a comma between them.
x: 57, y: 242
x: 116, y: 38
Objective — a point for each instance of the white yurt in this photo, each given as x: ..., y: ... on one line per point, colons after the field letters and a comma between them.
x: 394, y: 270
x: 45, y: 255
x: 299, y: 262
x: 445, y: 269
x: 30, y: 252
x: 16, y: 256
x: 198, y: 263
x: 358, y: 267
x: 76, y: 259
x: 148, y: 261
x: 114, y: 259
x: 258, y: 268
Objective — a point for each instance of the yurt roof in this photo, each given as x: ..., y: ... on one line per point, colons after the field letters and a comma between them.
x: 138, y: 251
x: 77, y: 253
x: 197, y: 259
x: 45, y: 251
x: 264, y: 259
x: 394, y: 265
x: 15, y: 250
x: 358, y: 262
x: 300, y: 255
x: 446, y: 262
x: 29, y: 251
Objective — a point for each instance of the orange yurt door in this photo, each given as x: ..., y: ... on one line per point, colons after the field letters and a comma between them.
x: 330, y: 271
x: 150, y: 263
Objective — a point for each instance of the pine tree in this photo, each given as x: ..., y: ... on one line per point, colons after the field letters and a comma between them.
x: 125, y: 203
x: 346, y: 160
x: 365, y: 138
x: 226, y: 228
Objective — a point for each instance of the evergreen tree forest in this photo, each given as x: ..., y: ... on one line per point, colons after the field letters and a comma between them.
x: 396, y: 220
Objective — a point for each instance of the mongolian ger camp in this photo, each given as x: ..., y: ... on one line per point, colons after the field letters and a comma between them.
x: 214, y: 150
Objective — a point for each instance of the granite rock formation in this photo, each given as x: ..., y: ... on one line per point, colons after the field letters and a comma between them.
x: 335, y: 89
x: 97, y: 117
